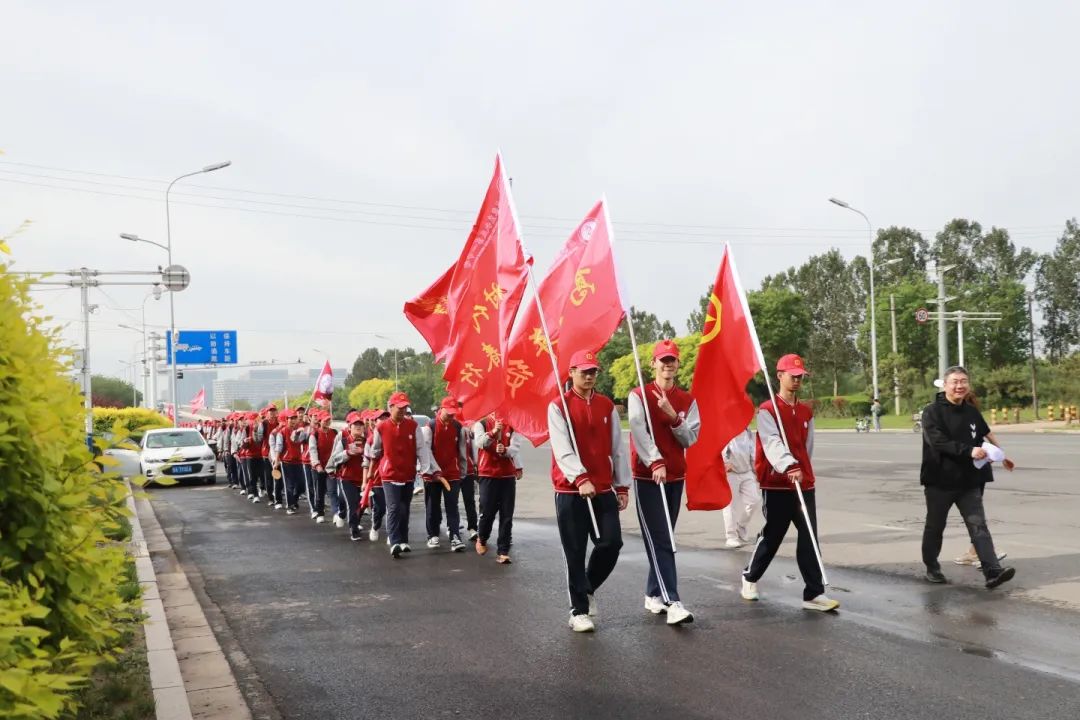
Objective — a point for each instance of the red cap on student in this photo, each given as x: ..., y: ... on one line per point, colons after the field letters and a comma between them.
x: 354, y: 417
x: 665, y: 349
x: 584, y: 360
x: 450, y: 405
x: 791, y: 364
x: 399, y: 399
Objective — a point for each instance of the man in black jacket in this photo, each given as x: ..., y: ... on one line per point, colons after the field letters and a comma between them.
x: 953, y: 435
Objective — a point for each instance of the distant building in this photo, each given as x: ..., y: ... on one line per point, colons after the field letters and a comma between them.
x: 259, y: 387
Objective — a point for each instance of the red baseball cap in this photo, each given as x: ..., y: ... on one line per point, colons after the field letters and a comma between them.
x: 450, y: 405
x: 399, y: 399
x: 792, y: 364
x: 271, y: 406
x: 584, y: 360
x: 665, y: 349
x: 354, y: 417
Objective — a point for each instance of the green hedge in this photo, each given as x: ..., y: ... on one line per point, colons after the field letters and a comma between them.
x: 130, y: 419
x: 60, y: 606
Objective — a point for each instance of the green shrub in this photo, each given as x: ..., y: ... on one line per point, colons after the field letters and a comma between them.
x: 130, y: 419
x: 60, y: 605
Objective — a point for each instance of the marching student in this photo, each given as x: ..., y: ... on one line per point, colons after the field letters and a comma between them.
x: 779, y: 467
x: 225, y: 447
x: 499, y: 468
x: 591, y: 466
x: 266, y: 427
x: 276, y: 500
x: 376, y: 496
x: 446, y: 463
x: 291, y: 461
x: 468, y: 486
x: 658, y: 460
x: 247, y: 455
x: 320, y: 446
x: 399, y: 448
x: 745, y: 493
x: 348, y: 460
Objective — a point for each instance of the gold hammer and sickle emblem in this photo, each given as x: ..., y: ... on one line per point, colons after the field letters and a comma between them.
x: 712, y: 315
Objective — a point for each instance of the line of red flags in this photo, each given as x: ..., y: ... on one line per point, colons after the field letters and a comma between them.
x: 467, y: 314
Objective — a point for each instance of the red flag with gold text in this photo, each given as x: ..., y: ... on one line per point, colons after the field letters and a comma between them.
x: 582, y: 309
x: 482, y: 301
x: 726, y: 361
x: 429, y: 314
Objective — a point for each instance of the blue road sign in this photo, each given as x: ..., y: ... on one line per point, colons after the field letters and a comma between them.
x: 203, y: 347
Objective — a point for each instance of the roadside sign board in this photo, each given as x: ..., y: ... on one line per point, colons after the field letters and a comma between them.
x: 203, y: 347
x: 921, y: 316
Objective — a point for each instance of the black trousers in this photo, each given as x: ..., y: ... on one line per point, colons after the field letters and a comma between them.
x: 497, y: 496
x: 663, y: 579
x: 575, y: 530
x: 468, y: 497
x: 435, y: 496
x: 398, y: 499
x: 230, y: 468
x: 781, y: 510
x: 247, y: 475
x: 969, y: 502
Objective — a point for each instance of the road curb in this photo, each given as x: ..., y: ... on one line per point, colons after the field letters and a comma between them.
x: 166, y: 681
x: 189, y: 674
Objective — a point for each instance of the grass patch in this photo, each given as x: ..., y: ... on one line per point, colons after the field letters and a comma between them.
x: 121, y: 690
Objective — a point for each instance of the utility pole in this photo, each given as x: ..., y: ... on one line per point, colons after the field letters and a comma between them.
x: 942, y: 332
x: 84, y: 296
x: 1031, y: 341
x: 895, y: 372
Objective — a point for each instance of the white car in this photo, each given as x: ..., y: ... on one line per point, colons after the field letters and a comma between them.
x: 178, y: 453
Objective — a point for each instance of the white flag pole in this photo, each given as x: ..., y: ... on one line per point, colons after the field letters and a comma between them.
x: 776, y: 411
x: 551, y: 352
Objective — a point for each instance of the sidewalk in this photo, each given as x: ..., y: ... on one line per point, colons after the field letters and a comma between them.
x: 189, y: 674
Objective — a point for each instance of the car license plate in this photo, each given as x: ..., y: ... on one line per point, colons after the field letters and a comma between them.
x: 181, y: 469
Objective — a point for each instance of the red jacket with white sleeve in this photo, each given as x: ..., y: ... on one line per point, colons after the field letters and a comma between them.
x: 772, y: 460
x: 664, y: 444
x: 599, y: 457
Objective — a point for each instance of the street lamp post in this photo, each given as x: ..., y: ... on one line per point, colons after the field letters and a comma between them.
x: 873, y: 313
x: 173, y: 335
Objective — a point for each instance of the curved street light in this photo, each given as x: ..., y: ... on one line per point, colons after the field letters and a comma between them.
x: 873, y: 313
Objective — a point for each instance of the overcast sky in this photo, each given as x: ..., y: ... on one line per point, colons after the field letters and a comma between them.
x: 362, y: 137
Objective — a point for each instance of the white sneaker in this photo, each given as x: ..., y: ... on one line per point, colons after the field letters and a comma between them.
x: 456, y: 545
x: 278, y: 506
x: 733, y: 543
x: 290, y: 511
x: 339, y: 522
x: 262, y: 493
x: 255, y: 501
x: 373, y: 535
x: 320, y: 520
x: 473, y: 535
x: 395, y: 551
x: 655, y: 605
x: 314, y: 514
x: 582, y: 623
x: 405, y: 547
x: 749, y: 590
x: 822, y: 603
x: 677, y: 614
x: 593, y: 608
x: 433, y: 542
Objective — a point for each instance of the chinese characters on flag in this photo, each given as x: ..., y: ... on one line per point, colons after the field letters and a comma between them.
x: 727, y: 359
x: 582, y: 309
x: 482, y: 299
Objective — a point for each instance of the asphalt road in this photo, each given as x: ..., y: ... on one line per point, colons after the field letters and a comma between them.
x: 318, y: 627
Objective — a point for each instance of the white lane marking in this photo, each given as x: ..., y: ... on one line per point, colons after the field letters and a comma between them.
x: 888, y: 527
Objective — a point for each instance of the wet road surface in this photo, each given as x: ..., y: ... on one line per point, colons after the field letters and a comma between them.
x: 319, y: 627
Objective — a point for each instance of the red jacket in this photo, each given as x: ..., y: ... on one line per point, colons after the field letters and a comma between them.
x: 489, y: 463
x: 305, y: 448
x: 673, y: 453
x: 446, y: 447
x: 798, y: 425
x: 398, y: 444
x: 591, y: 423
x: 291, y: 449
x: 376, y: 479
x: 268, y: 427
x: 324, y: 444
x: 352, y: 470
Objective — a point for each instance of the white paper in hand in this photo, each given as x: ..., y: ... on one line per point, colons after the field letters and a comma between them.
x: 993, y: 454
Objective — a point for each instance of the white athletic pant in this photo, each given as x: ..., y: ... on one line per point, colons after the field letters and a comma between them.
x: 745, y: 498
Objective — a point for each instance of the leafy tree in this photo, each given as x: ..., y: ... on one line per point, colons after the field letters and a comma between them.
x: 782, y: 320
x: 371, y: 393
x: 242, y: 404
x: 955, y: 245
x: 1056, y: 288
x: 112, y: 392
x: 907, y: 247
x: 623, y: 372
x: 368, y: 364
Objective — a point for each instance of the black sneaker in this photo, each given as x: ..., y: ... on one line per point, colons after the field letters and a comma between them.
x: 936, y: 576
x: 356, y: 535
x: 1003, y: 575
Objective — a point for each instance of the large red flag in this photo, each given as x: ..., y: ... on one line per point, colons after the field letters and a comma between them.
x: 323, y: 393
x: 483, y: 298
x: 727, y: 359
x: 429, y: 314
x: 582, y: 309
x: 199, y: 401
